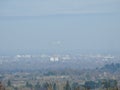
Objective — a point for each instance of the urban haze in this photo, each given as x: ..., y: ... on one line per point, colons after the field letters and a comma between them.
x: 59, y: 45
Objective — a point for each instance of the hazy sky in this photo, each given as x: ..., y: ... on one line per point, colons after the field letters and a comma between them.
x: 59, y: 25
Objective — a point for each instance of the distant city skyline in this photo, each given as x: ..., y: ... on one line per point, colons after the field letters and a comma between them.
x: 59, y: 26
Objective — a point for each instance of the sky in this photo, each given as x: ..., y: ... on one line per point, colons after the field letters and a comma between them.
x: 28, y: 26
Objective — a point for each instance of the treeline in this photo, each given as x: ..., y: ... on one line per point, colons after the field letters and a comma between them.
x: 103, y: 84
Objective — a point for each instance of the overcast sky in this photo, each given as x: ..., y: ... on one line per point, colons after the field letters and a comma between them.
x: 59, y: 25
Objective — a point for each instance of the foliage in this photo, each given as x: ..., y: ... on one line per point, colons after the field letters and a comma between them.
x: 9, y: 83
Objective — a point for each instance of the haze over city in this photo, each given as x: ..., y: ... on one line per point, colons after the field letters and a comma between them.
x: 58, y: 26
x: 59, y: 44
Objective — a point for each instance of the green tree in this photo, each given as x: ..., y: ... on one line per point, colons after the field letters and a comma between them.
x: 54, y: 86
x: 90, y: 85
x: 37, y: 86
x: 15, y: 88
x: 29, y: 85
x: 75, y: 86
x: 9, y: 83
x: 67, y: 86
x: 45, y: 85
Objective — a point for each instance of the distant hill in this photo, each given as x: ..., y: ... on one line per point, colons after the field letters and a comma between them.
x: 113, y: 67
